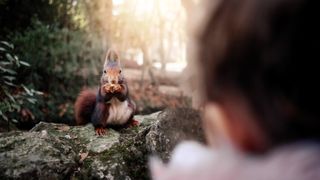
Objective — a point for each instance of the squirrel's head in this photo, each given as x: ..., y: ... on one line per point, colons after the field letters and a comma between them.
x: 111, y: 69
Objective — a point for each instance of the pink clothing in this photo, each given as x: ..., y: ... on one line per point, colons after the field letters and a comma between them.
x: 192, y: 161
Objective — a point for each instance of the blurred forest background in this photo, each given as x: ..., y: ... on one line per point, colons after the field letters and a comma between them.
x: 51, y: 49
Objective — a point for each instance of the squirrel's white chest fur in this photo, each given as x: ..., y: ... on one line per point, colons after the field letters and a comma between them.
x: 119, y: 112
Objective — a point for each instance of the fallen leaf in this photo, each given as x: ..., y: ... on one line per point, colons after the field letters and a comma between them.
x: 83, y: 156
x: 63, y: 128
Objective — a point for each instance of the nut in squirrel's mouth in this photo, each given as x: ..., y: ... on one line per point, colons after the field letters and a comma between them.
x: 107, y: 84
x: 110, y: 87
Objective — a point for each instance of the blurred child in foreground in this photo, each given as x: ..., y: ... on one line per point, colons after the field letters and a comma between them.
x: 258, y: 63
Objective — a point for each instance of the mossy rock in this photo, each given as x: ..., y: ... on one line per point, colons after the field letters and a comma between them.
x: 59, y: 151
x: 35, y: 155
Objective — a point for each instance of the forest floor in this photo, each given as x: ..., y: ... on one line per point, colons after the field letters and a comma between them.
x: 151, y: 97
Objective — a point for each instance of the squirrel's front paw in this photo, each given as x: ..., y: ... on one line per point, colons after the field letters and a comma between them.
x: 112, y: 88
x: 108, y: 88
x: 117, y: 88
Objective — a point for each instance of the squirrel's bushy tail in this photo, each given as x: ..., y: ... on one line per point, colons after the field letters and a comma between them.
x: 84, y: 106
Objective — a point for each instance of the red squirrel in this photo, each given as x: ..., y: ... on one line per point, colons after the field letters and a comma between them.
x: 111, y: 103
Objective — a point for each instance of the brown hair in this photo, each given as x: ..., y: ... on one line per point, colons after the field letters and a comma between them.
x: 266, y: 50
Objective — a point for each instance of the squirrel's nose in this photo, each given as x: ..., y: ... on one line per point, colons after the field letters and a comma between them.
x: 113, y: 82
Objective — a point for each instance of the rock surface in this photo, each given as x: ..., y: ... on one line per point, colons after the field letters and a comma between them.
x: 58, y: 151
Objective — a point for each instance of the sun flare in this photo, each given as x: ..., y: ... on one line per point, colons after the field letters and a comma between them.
x: 160, y: 25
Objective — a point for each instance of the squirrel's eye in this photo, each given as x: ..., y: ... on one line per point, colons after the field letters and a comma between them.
x: 119, y: 71
x: 104, y: 71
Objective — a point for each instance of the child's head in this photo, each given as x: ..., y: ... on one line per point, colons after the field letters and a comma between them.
x: 258, y: 59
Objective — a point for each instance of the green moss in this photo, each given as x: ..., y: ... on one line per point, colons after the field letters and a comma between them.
x: 132, y: 151
x: 87, y: 164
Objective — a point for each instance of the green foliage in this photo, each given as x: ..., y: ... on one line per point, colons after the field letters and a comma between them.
x: 17, y: 15
x: 15, y: 97
x: 61, y: 62
x: 51, y: 36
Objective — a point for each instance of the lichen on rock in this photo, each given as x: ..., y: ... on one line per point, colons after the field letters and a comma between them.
x: 35, y: 154
x: 58, y: 151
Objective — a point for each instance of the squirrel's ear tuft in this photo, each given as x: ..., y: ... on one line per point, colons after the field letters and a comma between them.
x: 112, y: 55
